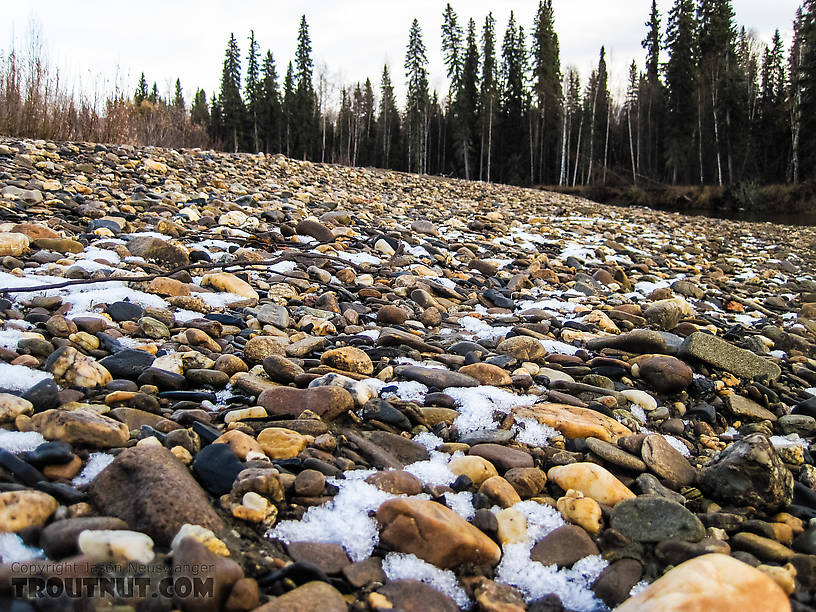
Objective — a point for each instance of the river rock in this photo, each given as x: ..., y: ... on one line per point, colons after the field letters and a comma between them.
x: 575, y: 422
x: 348, y: 359
x: 434, y: 533
x: 651, y: 519
x: 148, y: 488
x: 711, y: 583
x: 564, y: 546
x: 158, y: 250
x: 71, y: 366
x: 80, y: 426
x: 21, y: 510
x: 666, y: 461
x: 523, y: 348
x: 592, y: 480
x: 327, y: 402
x: 749, y: 472
x: 725, y: 356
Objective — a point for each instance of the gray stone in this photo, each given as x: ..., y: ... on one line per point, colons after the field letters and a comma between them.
x: 650, y: 518
x: 725, y: 356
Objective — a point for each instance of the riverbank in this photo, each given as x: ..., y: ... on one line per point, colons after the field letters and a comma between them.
x: 786, y: 204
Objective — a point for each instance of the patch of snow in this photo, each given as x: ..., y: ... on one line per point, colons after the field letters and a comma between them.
x: 359, y: 258
x: 536, y: 580
x: 344, y: 520
x: 461, y: 504
x: 478, y: 404
x: 407, y: 391
x: 400, y: 566
x: 96, y: 463
x: 482, y: 330
x: 678, y: 445
x: 13, y: 550
x: 435, y: 470
x: 20, y: 378
x: 428, y: 440
x: 20, y: 441
x: 529, y: 431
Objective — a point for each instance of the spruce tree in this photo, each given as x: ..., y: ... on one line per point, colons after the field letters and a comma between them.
x: 807, y: 80
x: 466, y: 120
x: 305, y: 109
x: 512, y: 102
x: 252, y: 91
x: 417, y: 100
x: 141, y: 91
x: 178, y: 97
x: 387, y: 122
x: 452, y: 47
x: 231, y: 104
x: 547, y: 91
x: 652, y: 98
x: 488, y: 102
x: 153, y: 98
x: 289, y: 108
x: 773, y: 113
x: 199, y: 113
x: 681, y: 111
x: 270, y: 106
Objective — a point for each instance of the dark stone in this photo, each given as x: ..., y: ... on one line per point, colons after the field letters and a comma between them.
x: 162, y: 379
x: 59, y: 539
x: 666, y: 461
x: 49, y: 453
x: 125, y: 311
x: 216, y: 467
x: 650, y: 519
x: 749, y: 473
x: 616, y: 580
x: 564, y: 546
x: 22, y: 470
x: 43, y: 395
x: 502, y: 457
x: 127, y: 363
x: 382, y: 410
x: 434, y: 377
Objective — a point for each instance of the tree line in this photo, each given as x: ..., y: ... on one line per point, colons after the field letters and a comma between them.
x: 711, y: 105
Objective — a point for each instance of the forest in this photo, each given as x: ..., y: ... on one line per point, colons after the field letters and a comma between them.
x: 711, y: 105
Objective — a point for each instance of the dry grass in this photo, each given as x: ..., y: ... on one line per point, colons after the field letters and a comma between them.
x: 36, y: 103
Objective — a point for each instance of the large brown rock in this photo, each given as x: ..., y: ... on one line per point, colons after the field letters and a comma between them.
x: 158, y: 250
x: 711, y: 583
x: 80, y: 426
x: 434, y: 533
x: 151, y: 490
x: 328, y: 402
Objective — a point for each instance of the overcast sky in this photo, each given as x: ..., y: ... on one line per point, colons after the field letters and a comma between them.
x: 97, y: 43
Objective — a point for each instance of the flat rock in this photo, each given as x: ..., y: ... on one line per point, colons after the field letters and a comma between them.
x: 651, y: 519
x: 434, y: 377
x: 725, y: 356
x: 82, y: 427
x: 329, y: 558
x: 328, y: 402
x: 502, y: 457
x: 615, y: 455
x: 311, y: 597
x: 575, y: 422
